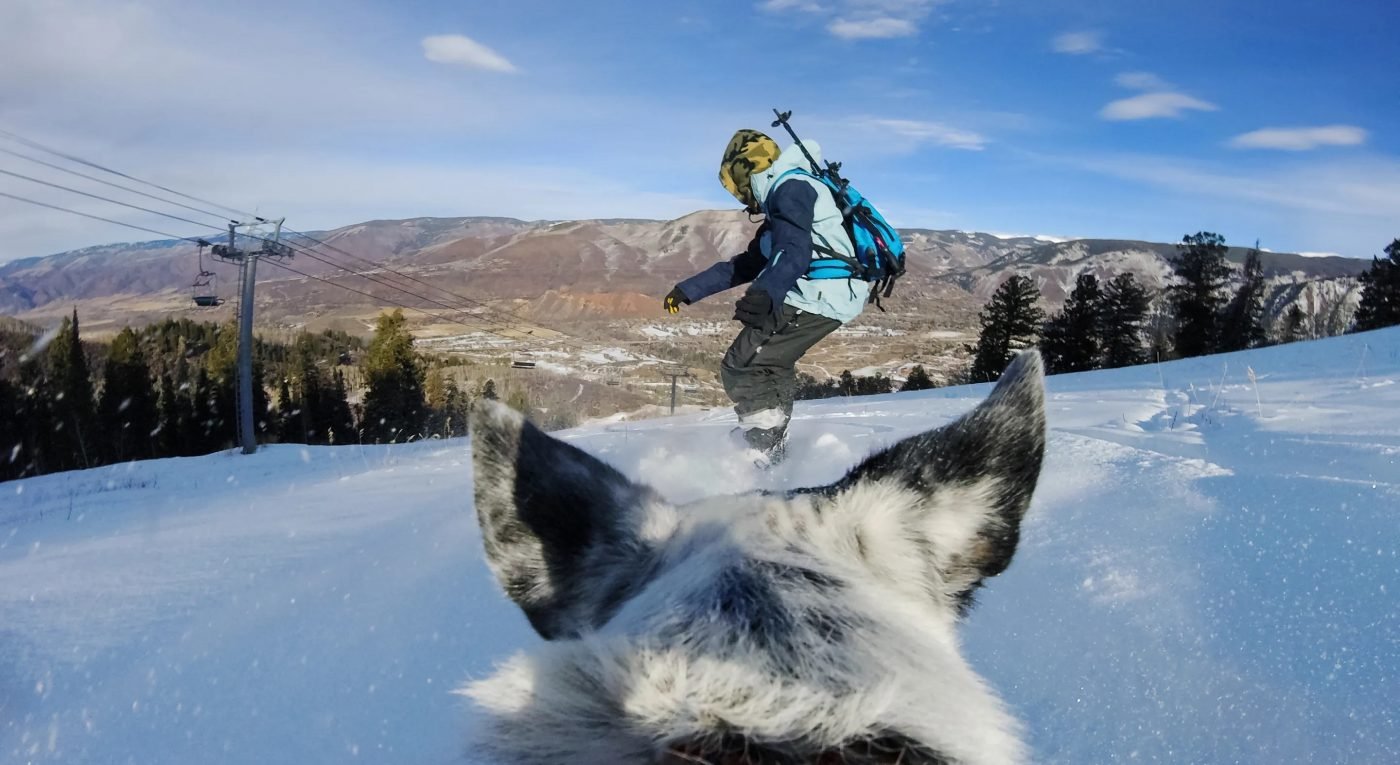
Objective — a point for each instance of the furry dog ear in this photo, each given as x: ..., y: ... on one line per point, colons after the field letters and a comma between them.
x: 560, y: 527
x: 971, y: 480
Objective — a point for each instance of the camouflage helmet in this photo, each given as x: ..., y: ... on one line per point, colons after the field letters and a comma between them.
x: 748, y: 152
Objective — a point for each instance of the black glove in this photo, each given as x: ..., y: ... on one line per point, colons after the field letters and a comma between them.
x: 673, y: 301
x: 754, y: 309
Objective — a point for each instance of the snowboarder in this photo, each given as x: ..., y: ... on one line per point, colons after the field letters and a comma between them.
x: 794, y: 300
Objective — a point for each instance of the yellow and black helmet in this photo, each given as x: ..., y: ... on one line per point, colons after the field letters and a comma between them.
x: 748, y: 152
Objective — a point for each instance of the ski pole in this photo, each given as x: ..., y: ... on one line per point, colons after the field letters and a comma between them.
x: 833, y: 168
x: 783, y: 120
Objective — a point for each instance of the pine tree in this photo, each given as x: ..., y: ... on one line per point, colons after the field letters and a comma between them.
x: 12, y: 456
x: 1242, y: 325
x: 340, y: 422
x: 289, y: 412
x: 208, y: 428
x: 1010, y: 321
x: 394, y: 405
x: 874, y: 385
x: 809, y: 388
x: 1198, y: 297
x: 1071, y: 338
x: 456, y: 410
x: 126, y: 410
x: 1054, y: 344
x: 1125, y: 305
x: 435, y: 392
x: 1295, y: 323
x: 918, y: 379
x: 74, y: 431
x: 314, y: 400
x: 220, y: 387
x: 35, y: 425
x: 222, y: 363
x: 184, y: 410
x: 173, y: 411
x: 848, y: 383
x: 1380, y: 292
x: 264, y: 414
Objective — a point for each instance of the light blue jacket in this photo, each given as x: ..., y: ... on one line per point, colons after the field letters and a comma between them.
x: 839, y: 299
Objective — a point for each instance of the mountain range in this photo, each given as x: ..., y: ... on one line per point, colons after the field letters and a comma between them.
x: 590, y: 271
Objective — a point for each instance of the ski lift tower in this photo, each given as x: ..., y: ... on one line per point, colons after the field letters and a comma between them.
x: 675, y: 372
x: 268, y: 246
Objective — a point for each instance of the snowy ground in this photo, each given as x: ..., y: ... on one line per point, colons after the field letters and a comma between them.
x: 1206, y: 577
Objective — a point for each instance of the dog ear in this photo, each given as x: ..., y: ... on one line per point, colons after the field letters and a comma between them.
x: 560, y: 527
x: 971, y: 481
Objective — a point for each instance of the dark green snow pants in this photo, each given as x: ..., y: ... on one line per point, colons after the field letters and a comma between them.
x: 759, y: 372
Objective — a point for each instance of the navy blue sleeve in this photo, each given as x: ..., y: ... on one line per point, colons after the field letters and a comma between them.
x: 740, y: 269
x: 791, y: 207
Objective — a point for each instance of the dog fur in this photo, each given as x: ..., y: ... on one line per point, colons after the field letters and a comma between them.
x: 809, y: 627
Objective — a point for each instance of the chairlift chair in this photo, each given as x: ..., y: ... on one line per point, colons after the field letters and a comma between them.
x: 204, y: 289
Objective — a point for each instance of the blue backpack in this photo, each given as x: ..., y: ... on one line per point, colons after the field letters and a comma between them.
x: 879, y: 250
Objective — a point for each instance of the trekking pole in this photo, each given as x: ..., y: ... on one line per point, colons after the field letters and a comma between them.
x: 783, y: 120
x: 832, y: 171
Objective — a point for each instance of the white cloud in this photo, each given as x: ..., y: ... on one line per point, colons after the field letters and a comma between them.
x: 1143, y: 81
x: 1344, y: 205
x: 126, y: 84
x: 134, y: 69
x: 1161, y: 99
x: 1363, y: 188
x: 1300, y: 139
x: 936, y: 133
x: 1154, y: 105
x: 862, y: 19
x: 778, y: 6
x: 872, y: 29
x: 1077, y: 43
x: 464, y: 51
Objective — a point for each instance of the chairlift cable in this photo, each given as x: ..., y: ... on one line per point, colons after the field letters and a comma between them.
x: 71, y: 158
x: 95, y: 179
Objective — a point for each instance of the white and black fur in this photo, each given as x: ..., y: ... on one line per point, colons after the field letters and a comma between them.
x: 817, y: 626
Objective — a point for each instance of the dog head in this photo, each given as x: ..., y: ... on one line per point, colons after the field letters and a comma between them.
x: 808, y: 627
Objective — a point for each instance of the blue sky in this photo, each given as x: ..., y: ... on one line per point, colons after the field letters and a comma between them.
x: 1271, y: 120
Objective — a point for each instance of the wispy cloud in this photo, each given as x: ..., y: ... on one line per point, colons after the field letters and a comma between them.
x: 1154, y: 105
x: 778, y: 6
x: 872, y: 29
x: 1300, y: 139
x: 861, y: 19
x: 1322, y: 204
x: 1143, y: 81
x: 934, y: 133
x: 134, y: 67
x: 1162, y: 100
x: 1366, y: 189
x: 1077, y: 43
x: 464, y: 51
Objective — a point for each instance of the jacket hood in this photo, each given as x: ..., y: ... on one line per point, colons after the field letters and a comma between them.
x: 791, y: 159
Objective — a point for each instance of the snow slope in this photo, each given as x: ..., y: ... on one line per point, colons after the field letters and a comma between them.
x: 1205, y: 577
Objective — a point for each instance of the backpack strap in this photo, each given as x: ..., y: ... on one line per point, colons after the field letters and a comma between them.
x: 852, y: 267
